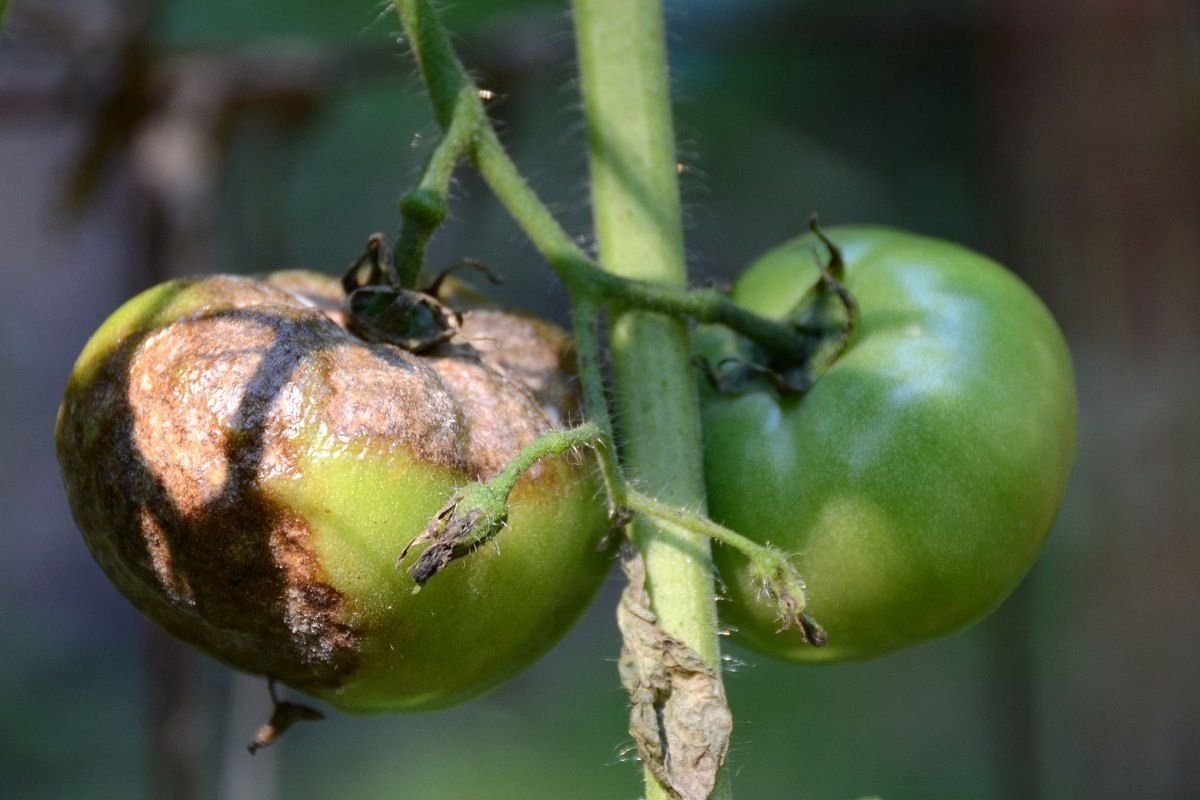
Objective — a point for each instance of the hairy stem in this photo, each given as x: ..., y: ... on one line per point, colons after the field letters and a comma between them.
x: 636, y: 209
x: 424, y: 208
x: 635, y: 205
x: 548, y: 444
x: 441, y: 71
x: 619, y: 291
x: 595, y: 404
x: 453, y: 96
x: 681, y: 518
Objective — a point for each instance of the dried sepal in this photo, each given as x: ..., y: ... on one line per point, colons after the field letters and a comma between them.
x: 471, y: 517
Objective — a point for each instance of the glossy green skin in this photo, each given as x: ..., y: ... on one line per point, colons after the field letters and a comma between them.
x: 488, y: 616
x: 916, y: 481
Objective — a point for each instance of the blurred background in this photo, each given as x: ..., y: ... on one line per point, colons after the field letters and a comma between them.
x: 144, y: 140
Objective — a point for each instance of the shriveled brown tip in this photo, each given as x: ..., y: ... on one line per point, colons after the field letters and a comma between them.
x: 284, y: 717
x: 813, y: 633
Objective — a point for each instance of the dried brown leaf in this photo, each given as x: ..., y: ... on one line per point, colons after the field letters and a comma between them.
x: 285, y: 716
x: 678, y: 717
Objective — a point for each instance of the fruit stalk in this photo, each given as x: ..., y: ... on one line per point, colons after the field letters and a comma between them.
x: 459, y: 111
x: 636, y: 210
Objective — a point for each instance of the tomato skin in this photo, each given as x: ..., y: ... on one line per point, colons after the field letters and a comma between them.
x: 915, y: 482
x: 246, y: 472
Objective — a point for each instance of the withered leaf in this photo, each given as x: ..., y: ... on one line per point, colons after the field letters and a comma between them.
x: 285, y: 716
x: 678, y: 717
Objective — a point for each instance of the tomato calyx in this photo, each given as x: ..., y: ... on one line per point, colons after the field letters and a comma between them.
x: 383, y: 311
x: 786, y: 591
x: 827, y: 316
x: 439, y: 289
x: 827, y: 312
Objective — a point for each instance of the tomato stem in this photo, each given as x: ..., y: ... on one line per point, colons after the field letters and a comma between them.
x: 478, y: 511
x: 772, y: 569
x: 635, y: 196
x: 549, y: 444
x: 424, y: 208
x: 453, y: 96
x: 622, y: 61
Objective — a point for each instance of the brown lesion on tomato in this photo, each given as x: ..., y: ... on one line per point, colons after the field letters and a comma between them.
x: 163, y: 451
x: 168, y: 444
x: 162, y: 559
x: 536, y: 354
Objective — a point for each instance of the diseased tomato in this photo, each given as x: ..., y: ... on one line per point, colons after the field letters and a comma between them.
x: 917, y: 478
x: 246, y: 471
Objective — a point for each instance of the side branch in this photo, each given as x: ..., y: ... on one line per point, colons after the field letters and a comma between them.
x: 454, y: 97
x: 425, y: 207
x: 772, y: 570
x: 442, y: 72
x: 478, y: 511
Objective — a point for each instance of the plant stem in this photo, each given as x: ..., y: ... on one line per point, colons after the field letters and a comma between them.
x: 636, y: 209
x: 548, y: 444
x: 674, y: 516
x: 635, y: 199
x: 456, y: 105
x: 424, y: 208
x: 585, y: 318
x: 441, y: 71
x: 623, y: 290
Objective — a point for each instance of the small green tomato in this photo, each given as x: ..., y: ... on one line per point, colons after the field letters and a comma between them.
x: 915, y: 481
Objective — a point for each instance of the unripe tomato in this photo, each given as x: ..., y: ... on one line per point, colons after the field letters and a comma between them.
x: 915, y: 482
x: 247, y: 471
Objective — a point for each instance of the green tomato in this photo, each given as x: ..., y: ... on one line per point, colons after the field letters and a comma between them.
x: 247, y: 471
x: 915, y: 482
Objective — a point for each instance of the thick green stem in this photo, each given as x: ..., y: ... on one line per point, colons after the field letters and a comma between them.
x: 636, y: 204
x: 635, y: 199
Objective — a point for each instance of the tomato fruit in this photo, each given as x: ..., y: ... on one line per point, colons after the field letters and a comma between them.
x: 246, y: 471
x: 915, y: 481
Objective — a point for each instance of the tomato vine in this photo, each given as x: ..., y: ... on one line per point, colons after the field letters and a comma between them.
x: 628, y: 116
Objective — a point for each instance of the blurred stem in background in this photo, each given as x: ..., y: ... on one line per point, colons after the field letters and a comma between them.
x: 180, y: 712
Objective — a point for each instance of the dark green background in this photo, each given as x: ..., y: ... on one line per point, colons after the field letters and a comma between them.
x: 1058, y: 138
